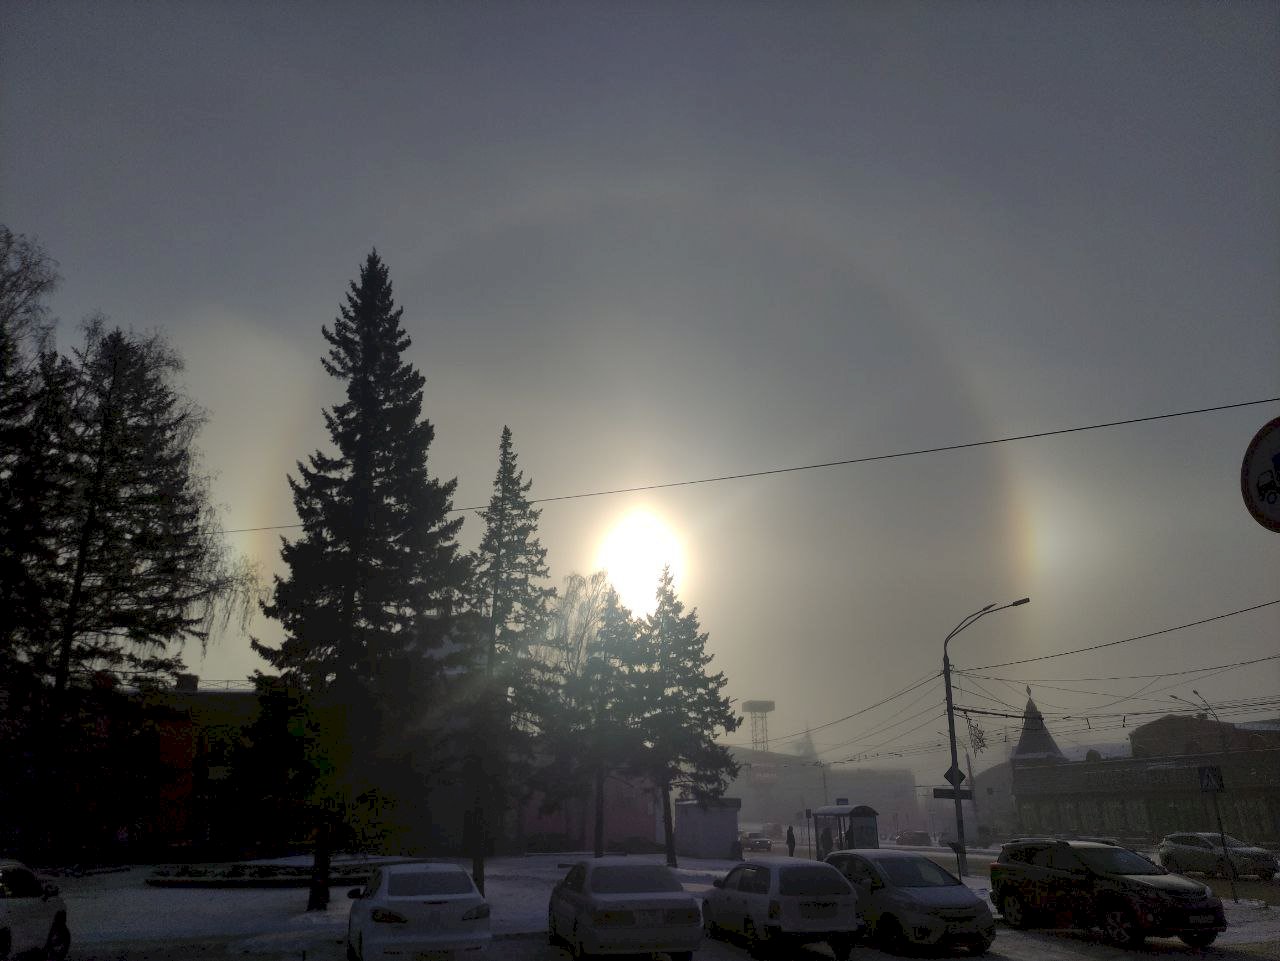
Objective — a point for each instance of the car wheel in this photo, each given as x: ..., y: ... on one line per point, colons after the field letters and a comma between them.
x: 982, y: 947
x: 1014, y: 911
x: 351, y: 952
x: 552, y: 936
x: 681, y: 955
x: 1199, y: 939
x: 1265, y: 876
x: 1120, y: 928
x: 58, y: 943
x: 709, y: 927
x: 757, y: 946
x: 576, y: 949
x: 890, y: 935
x: 1171, y: 864
x: 841, y: 947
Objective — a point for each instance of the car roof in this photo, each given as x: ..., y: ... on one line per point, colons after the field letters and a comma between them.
x: 10, y: 863
x: 781, y: 861
x: 422, y: 867
x: 883, y: 854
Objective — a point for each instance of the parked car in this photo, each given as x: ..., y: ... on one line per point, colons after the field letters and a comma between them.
x: 622, y: 906
x: 1085, y: 884
x: 784, y: 902
x: 33, y: 918
x: 417, y: 909
x: 1203, y: 851
x: 906, y: 898
x: 757, y: 841
x: 918, y: 839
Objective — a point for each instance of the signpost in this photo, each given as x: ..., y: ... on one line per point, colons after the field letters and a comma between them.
x: 1260, y: 476
x: 1211, y: 783
x: 949, y: 794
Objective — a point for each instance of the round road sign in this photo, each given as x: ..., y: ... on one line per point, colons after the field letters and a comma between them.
x: 1260, y: 476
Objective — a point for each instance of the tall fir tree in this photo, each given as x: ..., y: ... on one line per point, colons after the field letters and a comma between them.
x: 509, y: 587
x: 684, y: 709
x: 375, y: 577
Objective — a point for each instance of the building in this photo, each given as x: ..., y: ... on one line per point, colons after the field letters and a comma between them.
x: 1156, y: 791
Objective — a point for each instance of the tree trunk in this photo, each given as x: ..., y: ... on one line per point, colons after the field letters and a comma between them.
x: 479, y: 830
x: 668, y: 826
x: 599, y: 846
x: 318, y: 898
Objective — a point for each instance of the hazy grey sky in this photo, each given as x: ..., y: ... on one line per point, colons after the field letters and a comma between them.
x: 668, y: 241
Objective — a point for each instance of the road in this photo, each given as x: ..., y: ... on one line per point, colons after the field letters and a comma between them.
x: 1010, y: 946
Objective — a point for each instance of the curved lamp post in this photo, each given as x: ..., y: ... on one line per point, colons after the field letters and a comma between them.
x: 962, y: 857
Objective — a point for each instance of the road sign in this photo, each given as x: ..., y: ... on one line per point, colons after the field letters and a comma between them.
x: 1260, y: 476
x: 1211, y: 779
x: 946, y: 794
x: 954, y: 776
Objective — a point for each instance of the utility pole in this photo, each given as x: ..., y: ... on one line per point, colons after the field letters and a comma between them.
x: 954, y: 776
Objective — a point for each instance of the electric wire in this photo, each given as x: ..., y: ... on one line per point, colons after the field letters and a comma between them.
x: 870, y: 458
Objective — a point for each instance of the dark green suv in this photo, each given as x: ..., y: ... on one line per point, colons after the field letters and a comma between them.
x: 1052, y: 883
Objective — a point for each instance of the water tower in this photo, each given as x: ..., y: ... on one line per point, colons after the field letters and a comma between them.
x: 758, y: 711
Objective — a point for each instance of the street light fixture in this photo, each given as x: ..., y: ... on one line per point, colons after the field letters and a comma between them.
x: 953, y: 775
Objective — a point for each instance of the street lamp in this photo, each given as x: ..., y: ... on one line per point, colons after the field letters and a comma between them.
x: 1217, y: 809
x: 954, y: 775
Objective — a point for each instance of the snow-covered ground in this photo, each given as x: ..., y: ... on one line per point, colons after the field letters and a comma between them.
x: 122, y: 908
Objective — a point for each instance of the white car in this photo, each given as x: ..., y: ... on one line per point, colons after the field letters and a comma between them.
x: 908, y: 899
x: 32, y: 916
x: 420, y: 910
x: 776, y: 903
x: 624, y: 906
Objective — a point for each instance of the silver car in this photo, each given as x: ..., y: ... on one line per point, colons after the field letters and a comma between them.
x: 906, y: 898
x: 777, y: 903
x: 33, y: 917
x: 1203, y: 851
x: 624, y: 906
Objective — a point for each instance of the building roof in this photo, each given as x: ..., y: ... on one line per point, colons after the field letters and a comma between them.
x: 1036, y: 743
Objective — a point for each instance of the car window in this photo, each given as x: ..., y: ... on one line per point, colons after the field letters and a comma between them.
x: 19, y: 883
x: 732, y: 878
x: 408, y: 884
x: 1063, y: 859
x: 1042, y: 857
x: 812, y: 879
x: 754, y: 881
x: 1117, y: 861
x: 375, y: 880
x: 573, y: 880
x: 1196, y: 842
x: 858, y: 870
x: 1022, y: 854
x: 634, y: 878
x: 916, y: 873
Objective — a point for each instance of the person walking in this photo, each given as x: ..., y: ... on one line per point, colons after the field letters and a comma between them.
x: 791, y: 842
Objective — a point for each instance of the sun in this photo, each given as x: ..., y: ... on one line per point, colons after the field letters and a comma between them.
x: 633, y: 554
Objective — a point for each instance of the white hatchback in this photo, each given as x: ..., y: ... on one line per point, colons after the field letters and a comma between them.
x: 775, y: 903
x: 426, y: 911
x: 32, y: 916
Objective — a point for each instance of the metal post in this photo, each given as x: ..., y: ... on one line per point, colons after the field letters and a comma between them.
x: 1226, y: 852
x: 962, y: 860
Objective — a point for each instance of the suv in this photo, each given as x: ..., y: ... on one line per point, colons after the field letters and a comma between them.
x: 1203, y: 851
x: 783, y: 902
x: 33, y: 917
x: 1086, y: 884
x: 757, y: 841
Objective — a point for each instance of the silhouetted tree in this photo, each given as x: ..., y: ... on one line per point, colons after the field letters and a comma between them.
x: 374, y: 578
x: 684, y: 708
x: 510, y: 568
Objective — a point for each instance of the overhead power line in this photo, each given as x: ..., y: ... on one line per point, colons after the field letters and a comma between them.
x: 1119, y: 677
x: 870, y: 458
x: 1127, y: 640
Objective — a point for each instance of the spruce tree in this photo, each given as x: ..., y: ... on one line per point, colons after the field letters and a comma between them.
x: 376, y: 574
x: 510, y: 568
x: 683, y: 710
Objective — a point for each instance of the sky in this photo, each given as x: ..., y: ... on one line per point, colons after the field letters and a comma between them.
x: 667, y: 242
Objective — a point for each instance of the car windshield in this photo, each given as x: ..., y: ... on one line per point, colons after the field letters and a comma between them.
x: 916, y: 873
x: 408, y: 884
x: 1116, y: 861
x: 633, y: 879
x: 1234, y: 842
x: 812, y: 880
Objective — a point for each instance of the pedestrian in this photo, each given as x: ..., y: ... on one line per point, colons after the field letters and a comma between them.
x: 791, y: 842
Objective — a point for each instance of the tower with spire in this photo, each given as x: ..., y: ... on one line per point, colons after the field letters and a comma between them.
x: 1036, y: 745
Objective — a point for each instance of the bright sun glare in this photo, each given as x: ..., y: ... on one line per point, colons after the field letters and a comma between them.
x: 633, y: 553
